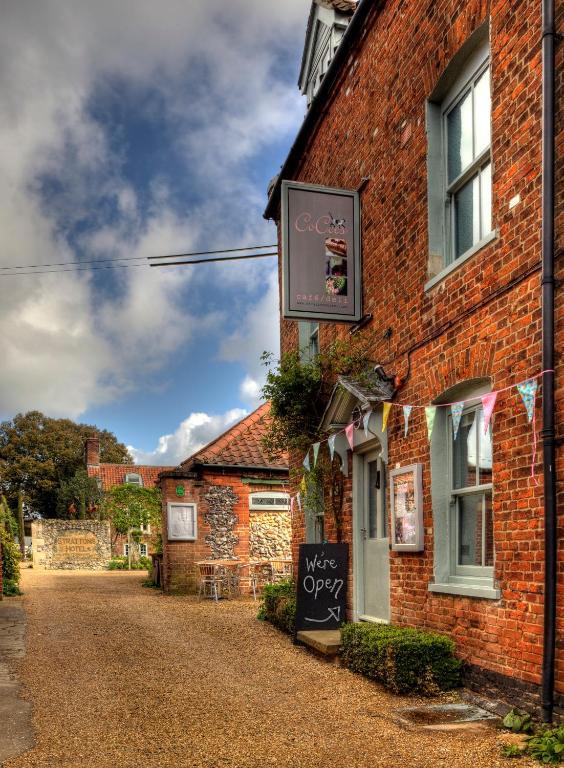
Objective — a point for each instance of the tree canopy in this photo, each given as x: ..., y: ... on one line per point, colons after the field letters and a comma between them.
x: 39, y: 453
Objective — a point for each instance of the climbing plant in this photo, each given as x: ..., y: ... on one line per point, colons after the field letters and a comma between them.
x: 299, y: 391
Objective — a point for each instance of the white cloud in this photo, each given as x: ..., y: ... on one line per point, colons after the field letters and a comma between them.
x: 192, y: 434
x: 257, y: 333
x: 66, y: 347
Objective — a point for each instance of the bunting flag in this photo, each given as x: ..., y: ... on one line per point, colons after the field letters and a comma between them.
x: 331, y: 444
x: 315, y: 452
x: 456, y: 412
x: 386, y: 408
x: 349, y: 432
x: 430, y: 412
x: 305, y: 462
x: 291, y: 506
x: 303, y: 486
x: 406, y: 414
x: 528, y: 391
x: 488, y: 403
x: 299, y: 501
x: 365, y: 420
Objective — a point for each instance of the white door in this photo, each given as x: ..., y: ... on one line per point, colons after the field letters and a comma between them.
x: 373, y: 540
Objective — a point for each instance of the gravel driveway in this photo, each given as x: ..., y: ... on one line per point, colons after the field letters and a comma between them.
x: 119, y: 675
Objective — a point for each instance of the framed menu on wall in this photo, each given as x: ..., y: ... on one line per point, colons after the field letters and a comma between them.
x: 406, y: 504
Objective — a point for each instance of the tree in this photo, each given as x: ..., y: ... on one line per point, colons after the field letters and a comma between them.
x: 38, y: 453
x: 131, y: 507
x: 80, y: 496
x: 9, y: 551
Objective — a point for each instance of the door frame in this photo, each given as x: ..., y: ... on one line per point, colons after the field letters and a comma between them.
x: 376, y: 442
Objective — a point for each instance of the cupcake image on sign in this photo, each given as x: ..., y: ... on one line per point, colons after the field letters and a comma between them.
x: 335, y: 266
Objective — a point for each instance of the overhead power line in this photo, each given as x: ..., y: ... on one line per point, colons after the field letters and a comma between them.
x: 207, y: 261
x: 116, y: 263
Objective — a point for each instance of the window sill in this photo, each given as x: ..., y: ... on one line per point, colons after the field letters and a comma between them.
x: 465, y: 590
x: 461, y: 260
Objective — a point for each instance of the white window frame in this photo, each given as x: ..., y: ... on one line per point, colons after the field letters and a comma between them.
x: 477, y: 573
x: 465, y: 67
x: 145, y: 528
x: 137, y: 481
x: 172, y: 536
x: 448, y: 576
x: 141, y: 545
x: 308, y: 340
x: 282, y: 505
x: 473, y: 169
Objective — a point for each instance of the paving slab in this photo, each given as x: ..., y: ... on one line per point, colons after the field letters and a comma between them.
x: 324, y: 641
x: 16, y: 732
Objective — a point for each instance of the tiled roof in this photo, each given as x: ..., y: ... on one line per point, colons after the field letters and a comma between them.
x: 241, y: 445
x: 345, y: 6
x: 114, y: 474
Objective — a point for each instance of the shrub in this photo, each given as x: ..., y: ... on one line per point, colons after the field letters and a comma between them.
x: 547, y: 746
x: 122, y: 564
x: 401, y: 658
x: 279, y: 605
x: 10, y: 563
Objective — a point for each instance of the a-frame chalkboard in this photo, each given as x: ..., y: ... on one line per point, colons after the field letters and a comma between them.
x: 322, y: 586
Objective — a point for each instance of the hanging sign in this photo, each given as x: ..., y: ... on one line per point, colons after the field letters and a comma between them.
x: 321, y: 253
x: 322, y: 586
x: 407, y: 508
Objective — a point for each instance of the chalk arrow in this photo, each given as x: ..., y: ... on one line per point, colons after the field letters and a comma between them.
x: 334, y: 613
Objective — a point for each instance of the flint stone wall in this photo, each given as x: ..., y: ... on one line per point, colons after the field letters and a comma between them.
x: 71, y: 544
x: 221, y: 519
x: 270, y: 535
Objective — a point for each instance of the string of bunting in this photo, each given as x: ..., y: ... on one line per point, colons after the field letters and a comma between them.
x: 527, y: 389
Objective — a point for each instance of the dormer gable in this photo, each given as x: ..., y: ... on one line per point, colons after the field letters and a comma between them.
x: 328, y: 20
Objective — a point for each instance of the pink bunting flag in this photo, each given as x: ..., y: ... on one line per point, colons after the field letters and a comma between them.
x: 291, y: 506
x: 349, y: 432
x: 488, y: 403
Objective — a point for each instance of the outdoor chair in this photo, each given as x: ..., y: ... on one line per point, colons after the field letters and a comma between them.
x: 248, y: 577
x: 281, y: 569
x: 210, y: 581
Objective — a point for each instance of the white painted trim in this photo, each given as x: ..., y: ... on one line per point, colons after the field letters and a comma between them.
x: 178, y: 536
x: 489, y: 593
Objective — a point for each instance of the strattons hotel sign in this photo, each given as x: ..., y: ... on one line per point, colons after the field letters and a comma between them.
x: 320, y: 253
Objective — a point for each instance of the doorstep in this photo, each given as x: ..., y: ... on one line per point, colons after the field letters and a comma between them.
x: 327, y: 642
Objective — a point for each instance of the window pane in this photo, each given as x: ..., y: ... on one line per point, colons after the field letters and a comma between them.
x: 485, y: 451
x: 486, y: 194
x: 488, y: 533
x: 459, y: 134
x: 470, y: 529
x: 467, y: 216
x: 372, y: 500
x: 482, y: 116
x: 464, y: 453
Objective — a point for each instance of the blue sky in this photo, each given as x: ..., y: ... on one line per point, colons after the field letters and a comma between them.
x: 137, y: 129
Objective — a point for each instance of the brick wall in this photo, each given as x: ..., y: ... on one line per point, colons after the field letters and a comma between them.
x: 179, y: 557
x: 483, y: 320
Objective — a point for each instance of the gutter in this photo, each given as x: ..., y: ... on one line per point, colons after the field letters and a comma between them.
x: 317, y: 105
x: 549, y: 38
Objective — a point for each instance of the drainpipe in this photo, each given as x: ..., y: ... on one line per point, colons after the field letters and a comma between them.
x: 548, y: 432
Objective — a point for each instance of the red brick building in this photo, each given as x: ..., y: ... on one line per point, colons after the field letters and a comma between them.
x: 227, y: 501
x: 432, y: 111
x: 110, y: 475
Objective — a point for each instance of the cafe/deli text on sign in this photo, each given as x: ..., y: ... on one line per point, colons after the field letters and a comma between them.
x: 322, y: 586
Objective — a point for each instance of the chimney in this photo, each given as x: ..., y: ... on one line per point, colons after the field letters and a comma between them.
x: 92, y: 452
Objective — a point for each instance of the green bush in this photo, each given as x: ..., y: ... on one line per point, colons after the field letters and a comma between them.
x: 10, y: 563
x: 122, y: 564
x: 403, y: 659
x: 278, y: 605
x: 547, y: 746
